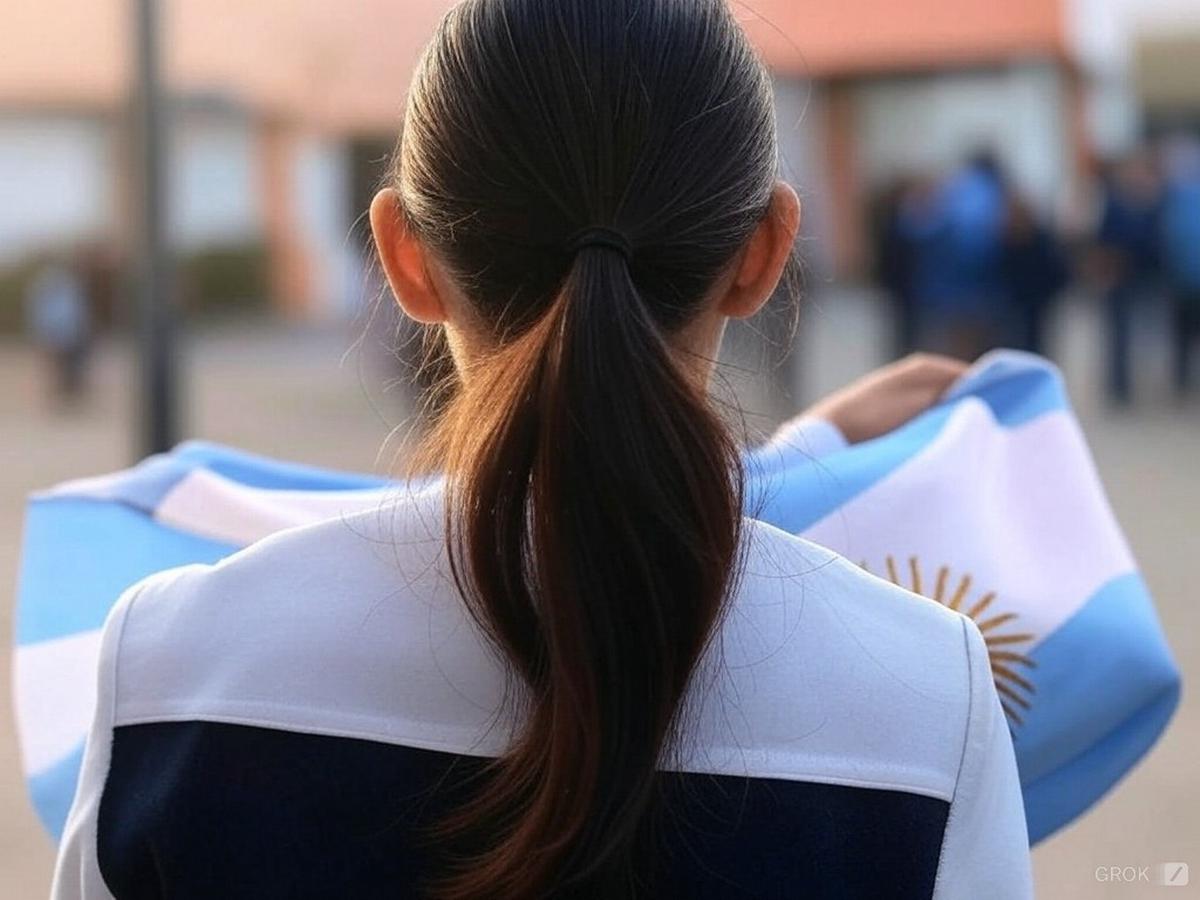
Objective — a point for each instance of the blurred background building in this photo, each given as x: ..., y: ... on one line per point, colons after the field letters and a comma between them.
x: 282, y: 115
x: 974, y: 172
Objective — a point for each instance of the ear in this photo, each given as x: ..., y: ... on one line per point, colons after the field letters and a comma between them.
x: 762, y: 263
x: 403, y: 258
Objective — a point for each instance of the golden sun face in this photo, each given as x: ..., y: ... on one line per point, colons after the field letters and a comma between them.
x: 1003, y: 642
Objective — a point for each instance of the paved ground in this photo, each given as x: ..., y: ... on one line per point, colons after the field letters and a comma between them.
x: 292, y: 394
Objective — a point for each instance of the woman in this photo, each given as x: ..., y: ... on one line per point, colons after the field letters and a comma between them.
x: 569, y: 667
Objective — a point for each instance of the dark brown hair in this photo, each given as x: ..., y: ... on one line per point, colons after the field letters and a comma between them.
x: 593, y: 495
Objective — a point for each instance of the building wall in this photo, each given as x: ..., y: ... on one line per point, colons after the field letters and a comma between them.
x: 214, y: 182
x: 321, y: 180
x: 61, y: 177
x: 800, y: 107
x: 57, y: 178
x: 1103, y: 32
x: 927, y: 123
x: 1103, y: 37
x: 854, y: 37
x: 857, y: 135
x: 329, y: 76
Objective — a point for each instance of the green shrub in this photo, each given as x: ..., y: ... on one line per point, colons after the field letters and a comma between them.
x: 224, y: 279
x: 214, y: 281
x: 14, y: 281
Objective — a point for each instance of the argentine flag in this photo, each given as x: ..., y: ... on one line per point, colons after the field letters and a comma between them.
x: 988, y: 503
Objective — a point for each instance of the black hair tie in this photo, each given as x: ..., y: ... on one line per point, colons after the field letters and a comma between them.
x: 606, y: 238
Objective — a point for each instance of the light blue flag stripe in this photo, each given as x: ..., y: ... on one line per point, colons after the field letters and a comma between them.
x: 1062, y: 795
x: 108, y: 533
x: 1098, y: 709
x: 80, y: 555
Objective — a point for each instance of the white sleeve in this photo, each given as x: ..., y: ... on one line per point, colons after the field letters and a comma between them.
x: 985, y: 849
x: 77, y: 870
x: 812, y: 436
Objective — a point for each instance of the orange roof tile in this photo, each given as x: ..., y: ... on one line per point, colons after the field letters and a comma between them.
x: 838, y: 37
x: 344, y: 64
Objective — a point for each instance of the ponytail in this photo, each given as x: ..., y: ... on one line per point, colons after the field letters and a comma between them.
x: 593, y: 497
x: 593, y: 505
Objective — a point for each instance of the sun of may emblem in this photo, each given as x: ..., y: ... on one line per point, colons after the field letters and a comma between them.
x: 1003, y: 638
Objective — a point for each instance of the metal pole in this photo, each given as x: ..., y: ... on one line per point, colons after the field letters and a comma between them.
x: 158, y: 413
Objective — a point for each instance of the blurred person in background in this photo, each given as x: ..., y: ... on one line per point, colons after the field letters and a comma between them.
x: 956, y: 230
x: 1033, y: 271
x: 894, y: 261
x: 976, y: 208
x: 1181, y: 253
x: 923, y: 235
x: 58, y: 319
x: 1127, y: 258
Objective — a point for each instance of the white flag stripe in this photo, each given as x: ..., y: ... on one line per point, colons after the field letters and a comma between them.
x: 55, y: 688
x: 1020, y: 506
x: 205, y: 504
x: 96, y: 487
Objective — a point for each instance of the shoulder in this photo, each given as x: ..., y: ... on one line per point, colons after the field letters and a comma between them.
x: 288, y: 578
x: 348, y: 627
x: 843, y: 677
x: 898, y: 625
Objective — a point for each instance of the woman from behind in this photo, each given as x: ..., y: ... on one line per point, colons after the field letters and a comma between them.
x: 569, y: 667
